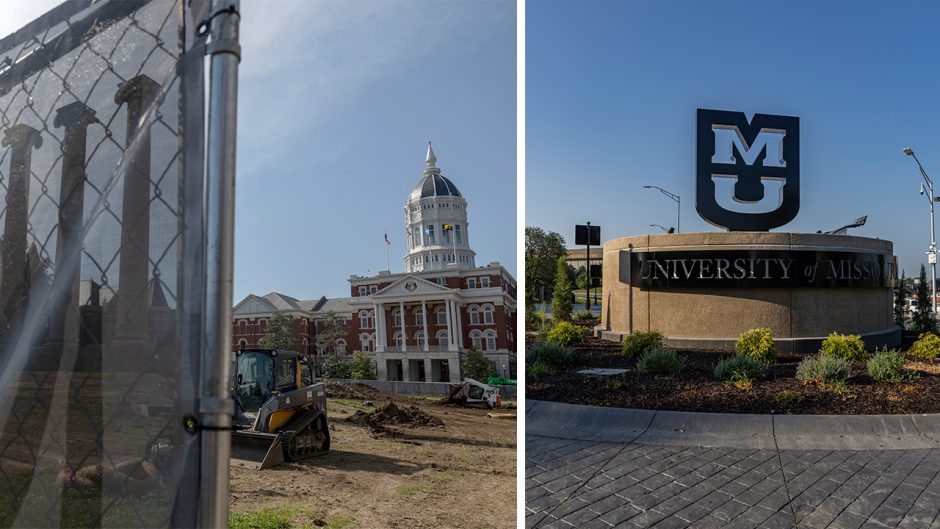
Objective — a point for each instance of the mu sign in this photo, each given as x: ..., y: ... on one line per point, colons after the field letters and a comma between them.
x: 747, y: 174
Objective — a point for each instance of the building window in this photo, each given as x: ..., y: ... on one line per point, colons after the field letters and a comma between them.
x: 365, y: 342
x: 472, y: 282
x: 441, y: 316
x: 341, y: 347
x: 457, y: 233
x: 262, y: 325
x: 399, y: 339
x: 242, y: 344
x: 442, y: 338
x: 476, y: 338
x: 396, y: 316
x: 474, y: 315
x: 487, y: 314
x: 373, y: 289
x: 365, y: 319
x: 491, y: 340
x: 362, y: 291
x: 484, y: 282
x: 419, y: 338
x: 441, y: 281
x: 445, y: 234
x: 416, y: 230
x: 429, y: 231
x: 419, y: 317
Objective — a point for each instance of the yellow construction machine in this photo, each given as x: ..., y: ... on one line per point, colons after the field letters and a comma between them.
x: 280, y: 413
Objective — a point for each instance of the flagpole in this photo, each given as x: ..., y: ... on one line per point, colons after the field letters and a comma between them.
x: 387, y: 267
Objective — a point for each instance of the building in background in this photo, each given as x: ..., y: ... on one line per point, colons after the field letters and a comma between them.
x: 417, y: 325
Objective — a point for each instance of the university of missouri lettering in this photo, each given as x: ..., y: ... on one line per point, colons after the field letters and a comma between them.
x: 770, y: 268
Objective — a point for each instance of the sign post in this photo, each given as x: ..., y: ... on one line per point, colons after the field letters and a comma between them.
x: 588, y: 235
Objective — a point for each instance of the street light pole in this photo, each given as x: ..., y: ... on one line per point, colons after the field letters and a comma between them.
x: 676, y: 198
x: 932, y: 253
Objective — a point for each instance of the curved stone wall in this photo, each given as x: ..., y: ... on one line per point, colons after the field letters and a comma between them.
x: 712, y: 317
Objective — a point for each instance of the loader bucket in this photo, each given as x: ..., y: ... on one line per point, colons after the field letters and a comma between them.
x: 256, y: 450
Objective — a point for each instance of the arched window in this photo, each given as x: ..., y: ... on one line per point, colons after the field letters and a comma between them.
x: 341, y: 347
x: 396, y: 318
x: 419, y: 316
x: 366, y: 342
x: 490, y: 340
x: 242, y: 327
x: 262, y: 325
x: 321, y: 347
x: 419, y: 338
x: 398, y: 338
x: 441, y: 316
x: 243, y: 344
x: 474, y: 315
x: 487, y: 314
x: 442, y: 338
x: 365, y: 319
x: 476, y: 338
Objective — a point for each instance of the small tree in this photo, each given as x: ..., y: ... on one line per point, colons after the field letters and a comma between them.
x: 279, y: 333
x: 477, y: 366
x: 900, y: 303
x: 330, y: 330
x: 362, y: 367
x: 582, y: 279
x: 561, y: 301
x: 335, y: 365
x: 923, y: 319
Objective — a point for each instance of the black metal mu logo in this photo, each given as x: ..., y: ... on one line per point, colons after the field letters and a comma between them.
x: 747, y: 174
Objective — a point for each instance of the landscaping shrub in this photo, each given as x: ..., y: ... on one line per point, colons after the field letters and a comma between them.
x: 926, y: 346
x: 660, y: 362
x: 582, y: 315
x: 787, y: 397
x: 642, y: 341
x: 887, y: 365
x: 827, y: 371
x: 740, y: 367
x: 846, y: 347
x: 538, y: 369
x: 549, y: 353
x: 757, y: 344
x: 567, y: 334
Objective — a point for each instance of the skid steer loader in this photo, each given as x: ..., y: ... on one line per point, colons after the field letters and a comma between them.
x: 280, y: 414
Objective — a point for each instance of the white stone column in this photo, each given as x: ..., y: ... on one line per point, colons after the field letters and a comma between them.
x: 404, y: 332
x: 427, y: 337
x: 450, y: 333
x: 380, y: 328
x: 459, y: 325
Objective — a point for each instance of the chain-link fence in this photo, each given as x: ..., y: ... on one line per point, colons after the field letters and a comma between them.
x: 102, y: 265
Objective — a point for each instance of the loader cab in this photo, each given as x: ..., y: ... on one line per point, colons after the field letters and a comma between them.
x: 261, y: 372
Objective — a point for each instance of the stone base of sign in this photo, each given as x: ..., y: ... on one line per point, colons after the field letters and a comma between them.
x: 713, y: 317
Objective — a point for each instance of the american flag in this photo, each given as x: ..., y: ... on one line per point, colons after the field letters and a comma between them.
x: 387, y: 242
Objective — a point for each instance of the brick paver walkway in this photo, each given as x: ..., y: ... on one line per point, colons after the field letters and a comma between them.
x: 603, y: 484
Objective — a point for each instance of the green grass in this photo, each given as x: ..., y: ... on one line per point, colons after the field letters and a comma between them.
x: 408, y: 490
x: 352, y: 404
x: 285, y: 518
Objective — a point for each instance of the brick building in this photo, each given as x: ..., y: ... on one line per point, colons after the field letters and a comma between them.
x: 418, y: 324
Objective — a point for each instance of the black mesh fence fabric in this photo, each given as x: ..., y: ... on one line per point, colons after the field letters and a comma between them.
x: 101, y: 265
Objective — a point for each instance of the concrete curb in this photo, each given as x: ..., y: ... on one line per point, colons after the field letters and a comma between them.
x: 785, y: 432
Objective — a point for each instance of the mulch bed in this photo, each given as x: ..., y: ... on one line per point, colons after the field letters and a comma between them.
x: 695, y: 388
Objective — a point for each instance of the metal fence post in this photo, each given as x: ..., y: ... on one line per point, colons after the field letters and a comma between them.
x: 215, y: 402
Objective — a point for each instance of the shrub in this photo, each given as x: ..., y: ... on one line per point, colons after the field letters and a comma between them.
x: 562, y: 297
x: 740, y: 367
x: 477, y: 366
x: 567, y: 334
x: 362, y: 367
x: 660, y: 362
x: 538, y: 369
x: 888, y: 365
x: 548, y: 353
x: 757, y: 344
x: 846, y: 347
x: 642, y: 341
x: 336, y: 365
x: 787, y: 397
x: 926, y: 346
x: 582, y: 315
x: 826, y: 371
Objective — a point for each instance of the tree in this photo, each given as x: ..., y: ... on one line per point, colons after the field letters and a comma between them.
x: 362, y: 367
x: 582, y: 278
x: 335, y: 365
x: 561, y: 299
x: 542, y: 250
x: 330, y: 330
x: 279, y: 333
x: 900, y: 303
x: 477, y: 366
x: 923, y: 319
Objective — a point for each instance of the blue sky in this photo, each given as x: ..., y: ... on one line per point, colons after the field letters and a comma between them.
x: 612, y: 88
x: 337, y: 100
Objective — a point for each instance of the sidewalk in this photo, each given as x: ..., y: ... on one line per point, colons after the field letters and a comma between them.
x: 609, y: 467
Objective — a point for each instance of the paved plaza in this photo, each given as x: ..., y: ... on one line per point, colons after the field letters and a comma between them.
x: 606, y: 467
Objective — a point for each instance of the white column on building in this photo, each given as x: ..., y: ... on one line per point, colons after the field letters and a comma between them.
x: 450, y: 332
x: 427, y: 338
x: 459, y: 325
x: 404, y: 334
x: 380, y: 327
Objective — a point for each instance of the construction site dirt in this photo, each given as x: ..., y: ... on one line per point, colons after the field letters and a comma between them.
x: 396, y: 462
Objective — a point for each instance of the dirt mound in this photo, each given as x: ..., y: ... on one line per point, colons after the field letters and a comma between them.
x: 391, y: 413
x: 355, y: 391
